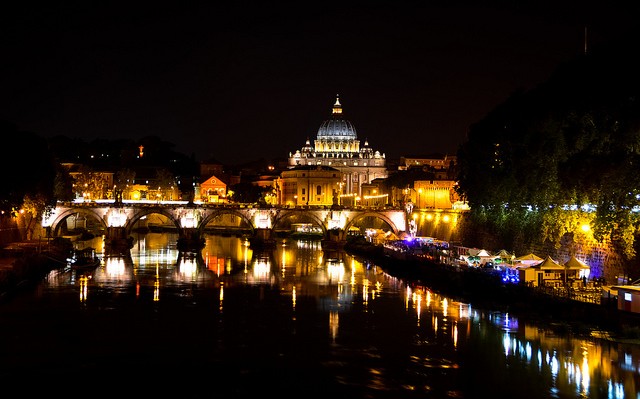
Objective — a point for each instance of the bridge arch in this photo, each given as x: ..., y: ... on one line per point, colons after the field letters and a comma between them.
x: 286, y: 214
x: 138, y: 215
x: 219, y: 212
x: 56, y: 224
x: 377, y: 215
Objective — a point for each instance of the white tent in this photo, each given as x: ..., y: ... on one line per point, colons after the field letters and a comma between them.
x: 545, y: 273
x: 483, y: 252
x: 576, y: 268
x: 527, y: 260
x: 505, y: 257
x: 550, y: 265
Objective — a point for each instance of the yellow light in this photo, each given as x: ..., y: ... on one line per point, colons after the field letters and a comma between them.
x: 586, y: 227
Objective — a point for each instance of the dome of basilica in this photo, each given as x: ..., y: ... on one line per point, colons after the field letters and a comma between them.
x: 337, y: 128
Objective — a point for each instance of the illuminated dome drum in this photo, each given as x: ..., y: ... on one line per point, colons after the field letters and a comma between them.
x: 337, y: 128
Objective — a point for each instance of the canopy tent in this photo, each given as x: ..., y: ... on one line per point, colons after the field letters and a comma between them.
x: 505, y: 254
x: 530, y: 256
x: 547, y: 272
x: 504, y: 257
x: 477, y: 257
x: 549, y: 265
x: 527, y: 260
x: 478, y: 252
x: 576, y: 268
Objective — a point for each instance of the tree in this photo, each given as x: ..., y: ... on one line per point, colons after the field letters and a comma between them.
x: 166, y: 183
x: 35, y: 174
x: 571, y: 144
x: 248, y: 193
x: 32, y: 210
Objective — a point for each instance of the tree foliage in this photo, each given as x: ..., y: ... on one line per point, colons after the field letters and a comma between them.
x: 565, y: 151
x: 29, y: 170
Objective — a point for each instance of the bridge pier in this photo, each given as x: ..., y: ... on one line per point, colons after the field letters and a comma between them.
x: 334, y: 240
x: 262, y: 238
x: 190, y: 240
x: 117, y: 241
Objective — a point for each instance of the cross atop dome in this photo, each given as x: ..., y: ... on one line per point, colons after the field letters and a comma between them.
x: 337, y: 107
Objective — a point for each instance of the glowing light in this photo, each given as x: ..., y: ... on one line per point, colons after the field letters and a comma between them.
x: 84, y: 283
x: 116, y: 218
x: 293, y: 297
x: 156, y: 290
x: 261, y: 269
x: 336, y: 271
x: 334, y: 322
x: 48, y: 218
x: 221, y: 296
x: 455, y: 334
x: 188, y: 268
x: 114, y: 267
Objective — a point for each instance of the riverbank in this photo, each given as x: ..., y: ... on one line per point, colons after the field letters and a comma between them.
x: 486, y: 290
x: 27, y: 263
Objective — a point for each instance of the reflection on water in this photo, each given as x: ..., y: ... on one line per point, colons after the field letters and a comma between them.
x: 334, y: 321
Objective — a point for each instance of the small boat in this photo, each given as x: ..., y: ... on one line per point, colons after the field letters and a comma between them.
x: 84, y: 260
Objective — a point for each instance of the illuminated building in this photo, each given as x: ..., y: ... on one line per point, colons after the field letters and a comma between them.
x: 211, y: 190
x: 337, y: 146
x: 309, y: 185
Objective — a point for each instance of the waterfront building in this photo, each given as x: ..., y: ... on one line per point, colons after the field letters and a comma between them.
x: 337, y: 146
x: 309, y: 185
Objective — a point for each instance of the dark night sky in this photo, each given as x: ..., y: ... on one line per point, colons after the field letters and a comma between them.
x: 240, y: 81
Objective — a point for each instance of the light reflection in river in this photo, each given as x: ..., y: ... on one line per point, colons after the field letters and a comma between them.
x: 383, y: 334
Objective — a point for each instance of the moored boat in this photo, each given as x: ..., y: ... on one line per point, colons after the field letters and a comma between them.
x: 84, y: 260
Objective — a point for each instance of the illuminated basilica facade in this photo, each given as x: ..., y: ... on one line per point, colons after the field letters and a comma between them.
x: 337, y: 146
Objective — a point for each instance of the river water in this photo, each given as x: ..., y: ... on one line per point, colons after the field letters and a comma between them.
x: 292, y: 322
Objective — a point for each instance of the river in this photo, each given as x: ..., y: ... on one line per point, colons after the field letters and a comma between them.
x: 235, y: 323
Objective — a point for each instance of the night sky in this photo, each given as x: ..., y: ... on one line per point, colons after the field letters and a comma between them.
x: 239, y: 81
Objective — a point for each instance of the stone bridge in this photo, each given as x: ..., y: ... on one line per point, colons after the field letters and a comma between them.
x: 119, y: 219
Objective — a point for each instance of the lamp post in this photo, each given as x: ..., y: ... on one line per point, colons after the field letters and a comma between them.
x: 419, y: 195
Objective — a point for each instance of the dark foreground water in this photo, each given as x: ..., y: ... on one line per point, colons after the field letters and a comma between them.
x: 289, y: 323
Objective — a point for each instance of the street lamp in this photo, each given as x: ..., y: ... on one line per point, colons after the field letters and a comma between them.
x: 419, y: 195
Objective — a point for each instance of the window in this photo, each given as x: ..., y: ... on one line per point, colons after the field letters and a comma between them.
x: 319, y: 190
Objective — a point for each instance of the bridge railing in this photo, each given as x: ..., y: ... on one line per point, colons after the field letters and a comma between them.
x: 142, y: 203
